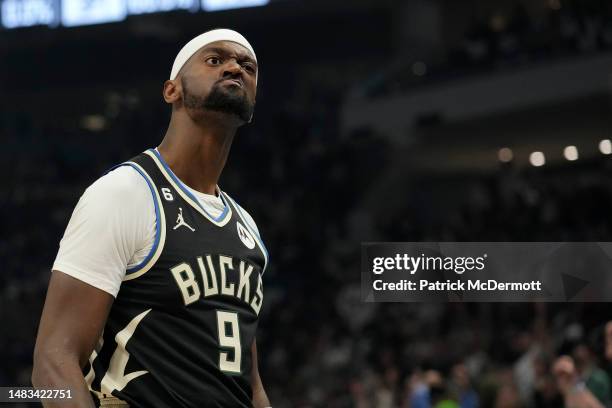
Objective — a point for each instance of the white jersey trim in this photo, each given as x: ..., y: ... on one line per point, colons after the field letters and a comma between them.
x: 161, y: 220
x: 221, y: 221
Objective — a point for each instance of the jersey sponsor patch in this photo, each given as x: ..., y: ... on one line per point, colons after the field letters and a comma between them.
x: 245, y: 236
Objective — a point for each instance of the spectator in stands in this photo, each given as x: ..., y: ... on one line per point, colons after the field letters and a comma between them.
x: 461, y: 385
x: 575, y: 393
x: 595, y: 379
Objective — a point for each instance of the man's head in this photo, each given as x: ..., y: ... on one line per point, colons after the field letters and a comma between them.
x: 214, y: 72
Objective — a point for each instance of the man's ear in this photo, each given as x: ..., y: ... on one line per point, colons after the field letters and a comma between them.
x: 172, y: 91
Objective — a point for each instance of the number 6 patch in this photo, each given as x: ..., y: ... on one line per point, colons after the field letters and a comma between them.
x: 167, y: 194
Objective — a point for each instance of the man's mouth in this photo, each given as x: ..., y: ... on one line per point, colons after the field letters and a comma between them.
x: 236, y: 82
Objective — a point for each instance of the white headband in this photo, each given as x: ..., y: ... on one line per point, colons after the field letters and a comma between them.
x: 202, y: 40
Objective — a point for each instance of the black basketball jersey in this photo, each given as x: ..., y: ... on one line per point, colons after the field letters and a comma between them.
x: 180, y: 330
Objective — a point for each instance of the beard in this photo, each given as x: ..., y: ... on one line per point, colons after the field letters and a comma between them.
x: 219, y: 100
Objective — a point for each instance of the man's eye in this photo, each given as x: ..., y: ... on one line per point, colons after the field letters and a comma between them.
x: 249, y: 68
x: 213, y: 60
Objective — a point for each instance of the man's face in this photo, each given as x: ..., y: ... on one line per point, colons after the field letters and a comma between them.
x: 220, y: 77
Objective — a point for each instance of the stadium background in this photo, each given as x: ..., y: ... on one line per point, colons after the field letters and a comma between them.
x: 376, y: 121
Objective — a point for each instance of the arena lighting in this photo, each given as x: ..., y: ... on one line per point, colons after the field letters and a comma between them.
x: 570, y: 153
x: 85, y: 12
x: 505, y: 154
x: 605, y: 146
x: 217, y: 5
x: 156, y: 6
x: 93, y: 123
x: 73, y: 13
x: 537, y: 159
x: 26, y: 13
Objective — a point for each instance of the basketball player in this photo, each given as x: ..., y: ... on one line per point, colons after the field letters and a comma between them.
x: 157, y: 286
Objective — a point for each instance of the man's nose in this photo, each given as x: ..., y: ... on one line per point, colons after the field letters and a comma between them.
x: 232, y: 67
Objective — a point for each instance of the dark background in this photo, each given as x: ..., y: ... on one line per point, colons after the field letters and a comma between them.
x: 375, y: 121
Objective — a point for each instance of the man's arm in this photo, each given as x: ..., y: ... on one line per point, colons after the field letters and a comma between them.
x: 72, y: 320
x: 260, y: 399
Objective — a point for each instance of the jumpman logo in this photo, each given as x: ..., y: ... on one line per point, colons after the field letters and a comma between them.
x: 181, y: 222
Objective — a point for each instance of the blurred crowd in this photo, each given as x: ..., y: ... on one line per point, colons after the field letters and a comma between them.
x: 451, y: 355
x: 564, y: 27
x: 507, y: 38
x: 470, y: 360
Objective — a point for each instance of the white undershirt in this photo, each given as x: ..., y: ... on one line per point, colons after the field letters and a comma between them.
x: 113, y: 228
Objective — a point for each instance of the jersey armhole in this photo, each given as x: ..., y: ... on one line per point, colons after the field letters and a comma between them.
x: 160, y: 227
x: 258, y: 239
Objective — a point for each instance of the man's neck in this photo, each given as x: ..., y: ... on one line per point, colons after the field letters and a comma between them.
x: 197, y: 153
